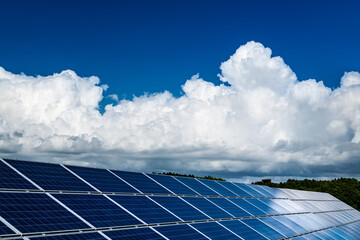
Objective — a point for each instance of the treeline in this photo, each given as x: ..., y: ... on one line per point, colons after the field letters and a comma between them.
x: 191, y: 176
x: 344, y: 189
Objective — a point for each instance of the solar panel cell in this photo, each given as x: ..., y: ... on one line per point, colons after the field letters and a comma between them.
x: 197, y: 186
x: 180, y: 208
x: 50, y: 176
x: 141, y: 182
x: 78, y: 236
x: 242, y: 230
x: 248, y: 207
x: 97, y: 210
x: 36, y: 212
x: 145, y: 209
x: 214, y: 185
x: 172, y: 184
x: 264, y: 229
x: 207, y: 207
x: 5, y: 230
x: 102, y: 180
x: 235, y: 189
x: 230, y: 207
x: 214, y: 231
x: 180, y: 232
x: 12, y: 180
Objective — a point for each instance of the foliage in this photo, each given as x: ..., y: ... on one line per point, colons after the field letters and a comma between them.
x: 191, y: 176
x: 344, y: 189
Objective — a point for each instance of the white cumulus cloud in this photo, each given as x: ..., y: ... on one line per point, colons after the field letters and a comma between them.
x: 262, y: 122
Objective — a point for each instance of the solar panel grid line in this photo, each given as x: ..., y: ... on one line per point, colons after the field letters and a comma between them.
x: 254, y: 229
x: 227, y: 188
x: 159, y: 233
x: 198, y: 231
x: 242, y: 189
x: 229, y: 230
x: 70, y: 210
x: 185, y: 185
x: 9, y: 225
x: 238, y: 206
x: 208, y: 187
x: 195, y: 208
x: 117, y: 204
x: 159, y: 183
x: 220, y: 207
x: 76, y: 175
x: 164, y: 208
x: 123, y: 180
x: 21, y: 174
x: 104, y: 235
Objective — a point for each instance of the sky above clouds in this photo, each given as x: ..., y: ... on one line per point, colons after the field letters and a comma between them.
x: 240, y: 90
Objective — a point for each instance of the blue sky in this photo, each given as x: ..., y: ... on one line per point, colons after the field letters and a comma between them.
x: 152, y: 46
x: 253, y: 111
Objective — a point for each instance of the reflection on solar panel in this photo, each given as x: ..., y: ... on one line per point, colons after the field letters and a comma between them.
x: 56, y: 202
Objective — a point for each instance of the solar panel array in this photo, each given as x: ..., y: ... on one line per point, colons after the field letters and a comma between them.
x: 54, y: 201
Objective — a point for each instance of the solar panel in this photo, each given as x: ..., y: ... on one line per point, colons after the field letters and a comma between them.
x: 207, y: 207
x: 102, y: 179
x: 248, y: 207
x: 214, y: 231
x: 235, y: 189
x: 146, y: 209
x: 141, y: 182
x: 242, y: 230
x: 180, y: 208
x: 217, y: 187
x: 78, y: 236
x: 172, y: 184
x: 11, y: 180
x: 127, y: 205
x: 180, y: 232
x: 197, y: 186
x: 50, y: 176
x: 97, y: 210
x: 36, y: 212
x: 264, y: 229
x: 5, y: 229
x: 230, y: 207
x: 133, y: 233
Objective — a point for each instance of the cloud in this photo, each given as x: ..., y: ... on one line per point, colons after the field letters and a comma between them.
x: 262, y: 121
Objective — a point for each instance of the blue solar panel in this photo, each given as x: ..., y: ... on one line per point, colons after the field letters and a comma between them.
x: 180, y: 232
x: 102, y: 180
x: 180, y: 208
x: 36, y: 212
x: 264, y: 207
x: 341, y: 233
x: 134, y: 233
x: 214, y: 231
x: 230, y: 207
x: 207, y: 207
x: 281, y: 228
x: 141, y: 182
x: 5, y: 230
x: 322, y: 235
x: 50, y: 176
x: 12, y: 180
x: 78, y: 236
x: 214, y: 185
x: 249, y: 190
x: 235, y: 189
x: 264, y: 229
x: 248, y: 207
x: 172, y: 184
x: 274, y: 205
x: 145, y: 209
x: 304, y: 222
x: 313, y: 236
x: 346, y: 229
x: 291, y: 224
x: 197, y: 186
x: 261, y: 190
x: 97, y: 210
x: 242, y: 230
